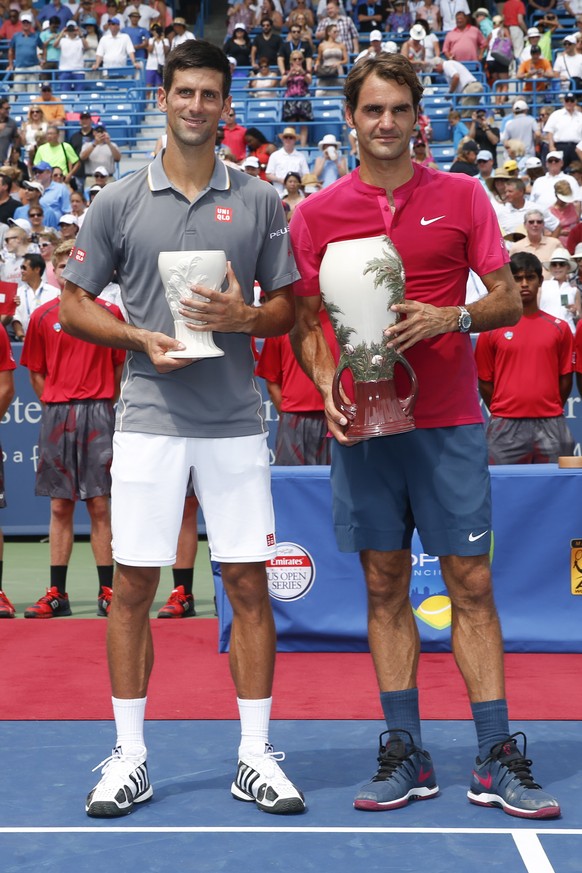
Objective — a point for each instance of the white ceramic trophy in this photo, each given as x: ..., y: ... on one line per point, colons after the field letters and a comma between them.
x: 359, y: 280
x: 180, y: 270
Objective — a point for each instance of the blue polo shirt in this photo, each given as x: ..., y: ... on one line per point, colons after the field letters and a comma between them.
x: 64, y: 14
x: 57, y: 198
x: 137, y: 35
x: 24, y: 48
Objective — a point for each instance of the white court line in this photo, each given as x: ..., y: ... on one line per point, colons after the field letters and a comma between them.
x: 532, y: 853
x: 516, y: 834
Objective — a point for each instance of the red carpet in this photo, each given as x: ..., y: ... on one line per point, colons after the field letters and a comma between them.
x: 57, y: 670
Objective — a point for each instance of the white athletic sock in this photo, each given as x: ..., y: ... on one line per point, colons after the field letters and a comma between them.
x: 254, y: 725
x: 129, y: 719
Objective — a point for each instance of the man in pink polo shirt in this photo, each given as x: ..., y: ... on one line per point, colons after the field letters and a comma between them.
x: 465, y: 42
x: 434, y: 478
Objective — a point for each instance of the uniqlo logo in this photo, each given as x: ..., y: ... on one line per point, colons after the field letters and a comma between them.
x: 270, y: 539
x: 79, y: 255
x: 223, y: 213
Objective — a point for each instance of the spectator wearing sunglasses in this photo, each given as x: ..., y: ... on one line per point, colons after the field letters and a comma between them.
x: 31, y: 207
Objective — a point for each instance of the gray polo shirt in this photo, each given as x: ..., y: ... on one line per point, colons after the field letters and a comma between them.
x: 128, y: 224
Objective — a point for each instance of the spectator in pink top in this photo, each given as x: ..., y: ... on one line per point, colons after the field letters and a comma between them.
x: 465, y: 42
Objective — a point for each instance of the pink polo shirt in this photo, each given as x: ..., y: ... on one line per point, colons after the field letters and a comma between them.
x: 464, y: 45
x: 442, y: 226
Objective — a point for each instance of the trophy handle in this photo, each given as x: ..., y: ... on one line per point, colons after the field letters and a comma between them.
x: 409, y: 402
x: 348, y: 411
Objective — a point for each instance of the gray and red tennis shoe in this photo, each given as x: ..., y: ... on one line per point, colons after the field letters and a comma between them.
x: 504, y: 779
x: 405, y: 773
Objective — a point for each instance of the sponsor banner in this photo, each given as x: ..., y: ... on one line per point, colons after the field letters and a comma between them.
x: 318, y: 594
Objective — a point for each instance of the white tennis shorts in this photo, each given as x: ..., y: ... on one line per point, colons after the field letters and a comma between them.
x: 232, y: 480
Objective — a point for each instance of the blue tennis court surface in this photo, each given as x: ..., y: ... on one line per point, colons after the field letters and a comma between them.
x: 193, y: 824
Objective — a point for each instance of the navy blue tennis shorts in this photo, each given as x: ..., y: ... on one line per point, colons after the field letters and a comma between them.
x: 434, y: 479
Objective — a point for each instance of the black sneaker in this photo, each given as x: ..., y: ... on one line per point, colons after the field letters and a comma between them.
x: 504, y: 779
x: 405, y: 773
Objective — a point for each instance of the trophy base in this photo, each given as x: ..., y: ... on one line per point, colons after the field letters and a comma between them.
x: 378, y: 411
x: 195, y: 355
x: 198, y: 345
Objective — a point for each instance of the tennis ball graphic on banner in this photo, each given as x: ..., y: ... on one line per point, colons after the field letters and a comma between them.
x: 431, y: 604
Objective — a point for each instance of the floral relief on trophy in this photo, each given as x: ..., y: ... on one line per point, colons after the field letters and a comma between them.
x: 372, y: 360
x: 359, y: 281
x: 179, y: 271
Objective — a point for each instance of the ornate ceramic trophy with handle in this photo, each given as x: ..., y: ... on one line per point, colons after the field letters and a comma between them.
x: 359, y: 281
x: 180, y: 270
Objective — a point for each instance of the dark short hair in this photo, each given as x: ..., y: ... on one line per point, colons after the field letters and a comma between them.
x: 196, y: 54
x: 35, y: 261
x: 389, y: 67
x: 525, y: 262
x: 6, y: 180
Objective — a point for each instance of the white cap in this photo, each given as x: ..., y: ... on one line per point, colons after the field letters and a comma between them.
x: 328, y: 140
x: 101, y: 171
x: 417, y: 31
x: 375, y: 34
x: 532, y: 163
x: 252, y: 161
x: 390, y: 47
x: 22, y: 223
x: 555, y: 154
x: 69, y: 219
x: 484, y: 155
x: 520, y: 106
x: 26, y: 16
x: 533, y: 31
x: 570, y: 38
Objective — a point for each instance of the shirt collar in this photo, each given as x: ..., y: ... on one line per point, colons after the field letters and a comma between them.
x: 158, y: 180
x: 400, y: 194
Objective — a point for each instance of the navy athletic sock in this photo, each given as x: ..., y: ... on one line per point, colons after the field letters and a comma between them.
x: 400, y: 710
x: 59, y: 577
x: 105, y: 576
x: 491, y: 723
x: 184, y: 576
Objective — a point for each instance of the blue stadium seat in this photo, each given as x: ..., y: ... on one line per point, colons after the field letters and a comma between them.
x: 264, y: 114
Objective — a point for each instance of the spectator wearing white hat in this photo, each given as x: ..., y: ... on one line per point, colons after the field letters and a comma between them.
x: 181, y: 32
x: 566, y: 210
x: 68, y: 226
x: 414, y: 49
x: 286, y: 160
x: 564, y: 129
x: 533, y: 38
x: 238, y: 46
x: 568, y: 64
x: 543, y: 193
x: 374, y: 48
x: 558, y: 296
x: 522, y: 127
x: 252, y: 166
x: 330, y: 165
x: 485, y: 161
x: 31, y: 194
x: 483, y: 21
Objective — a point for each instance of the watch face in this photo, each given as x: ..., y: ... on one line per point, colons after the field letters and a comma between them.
x: 465, y: 321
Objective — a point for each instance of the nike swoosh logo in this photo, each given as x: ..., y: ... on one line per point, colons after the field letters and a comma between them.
x: 424, y: 774
x: 486, y: 783
x: 474, y: 537
x: 426, y: 221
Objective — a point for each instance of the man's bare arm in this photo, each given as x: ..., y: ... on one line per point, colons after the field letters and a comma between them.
x: 499, y: 308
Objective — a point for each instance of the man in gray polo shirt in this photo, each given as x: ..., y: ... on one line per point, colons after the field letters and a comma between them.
x: 176, y: 417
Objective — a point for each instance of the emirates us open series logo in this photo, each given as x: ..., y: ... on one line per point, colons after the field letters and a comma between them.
x: 291, y: 573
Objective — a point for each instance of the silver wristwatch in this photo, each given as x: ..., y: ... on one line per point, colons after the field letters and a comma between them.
x: 465, y: 320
